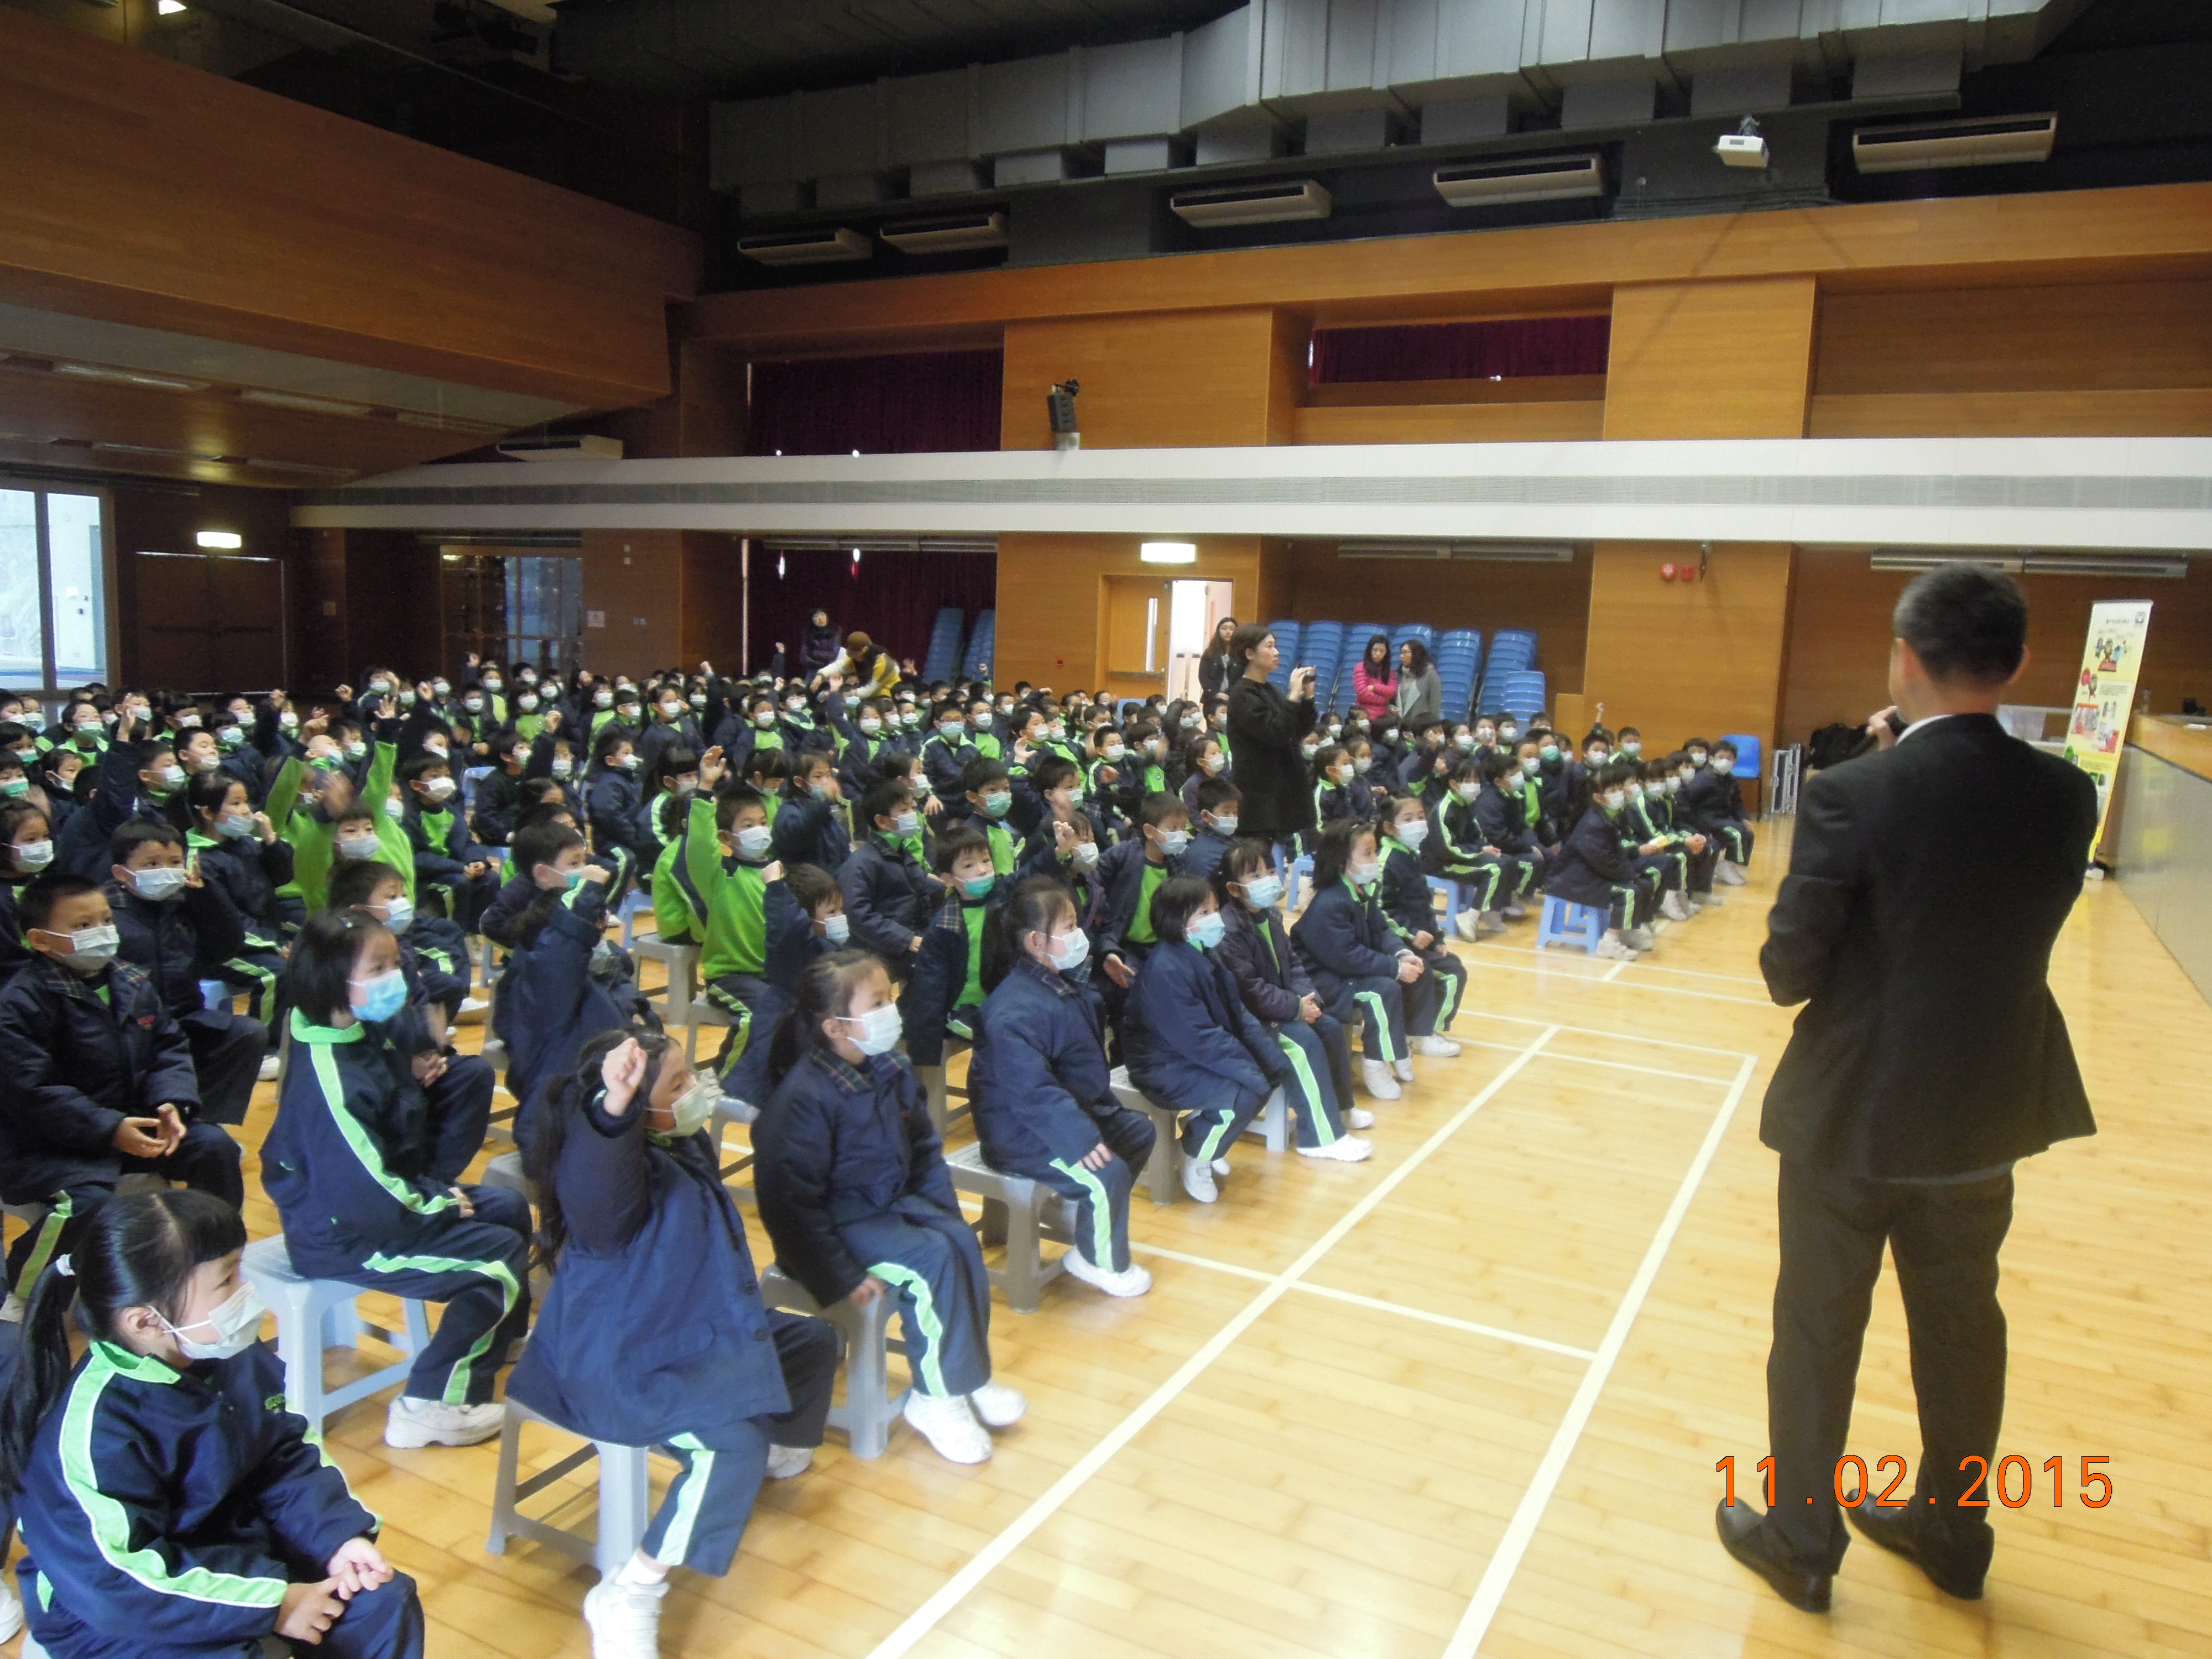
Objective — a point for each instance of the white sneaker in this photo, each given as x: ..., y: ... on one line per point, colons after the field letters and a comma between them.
x: 998, y: 1407
x: 1220, y: 1166
x: 11, y: 1611
x: 1132, y: 1280
x: 270, y: 1065
x: 1731, y: 873
x: 1344, y: 1149
x: 1375, y: 1075
x: 12, y: 1311
x: 1198, y: 1179
x: 471, y: 1013
x: 1439, y: 1048
x: 1676, y: 907
x: 1358, y: 1117
x: 1490, y: 922
x: 950, y: 1427
x: 1514, y: 910
x: 784, y: 1461
x: 624, y: 1618
x: 1403, y: 1069
x: 1468, y: 924
x: 1637, y: 938
x: 1611, y: 949
x: 412, y: 1423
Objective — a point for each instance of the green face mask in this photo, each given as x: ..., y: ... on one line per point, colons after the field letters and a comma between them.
x: 977, y: 887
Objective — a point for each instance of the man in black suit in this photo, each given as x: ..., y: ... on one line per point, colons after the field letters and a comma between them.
x: 1927, y: 883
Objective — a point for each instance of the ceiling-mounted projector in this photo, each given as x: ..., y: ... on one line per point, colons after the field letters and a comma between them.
x: 806, y: 247
x: 1252, y: 205
x: 1993, y: 140
x: 1539, y: 178
x: 1743, y: 148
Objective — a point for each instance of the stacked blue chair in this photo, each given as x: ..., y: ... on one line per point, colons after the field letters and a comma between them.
x: 981, y: 644
x: 1521, y: 694
x: 1512, y: 651
x: 943, y: 656
x: 1458, y: 656
x: 1321, y: 646
x: 1286, y: 645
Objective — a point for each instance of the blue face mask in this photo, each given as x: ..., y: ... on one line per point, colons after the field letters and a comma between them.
x: 995, y: 806
x: 1205, y: 932
x: 1262, y: 894
x: 387, y: 995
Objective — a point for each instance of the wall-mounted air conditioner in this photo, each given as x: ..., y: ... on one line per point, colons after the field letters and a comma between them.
x: 806, y: 247
x: 1252, y: 205
x: 1521, y: 179
x: 1990, y: 141
x: 955, y: 233
x: 2133, y: 567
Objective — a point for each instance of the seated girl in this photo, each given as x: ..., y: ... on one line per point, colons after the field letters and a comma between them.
x: 349, y: 1163
x: 174, y: 1521
x: 857, y: 1200
x: 1045, y: 1106
x: 1404, y: 896
x: 1193, y: 1045
x: 653, y: 1334
x: 239, y: 850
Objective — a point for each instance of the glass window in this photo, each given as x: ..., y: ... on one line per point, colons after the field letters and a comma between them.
x: 79, y: 589
x: 53, y: 589
x: 22, y: 630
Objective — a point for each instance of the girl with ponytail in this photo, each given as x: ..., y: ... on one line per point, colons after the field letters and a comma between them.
x: 175, y: 1506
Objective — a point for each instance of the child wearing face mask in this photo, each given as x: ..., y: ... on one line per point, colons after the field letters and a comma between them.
x: 1203, y: 758
x: 316, y: 808
x: 811, y: 819
x: 1129, y: 873
x: 887, y: 886
x: 674, y: 771
x: 867, y: 732
x: 611, y: 789
x: 447, y: 858
x: 1045, y: 1104
x: 942, y: 998
x: 1597, y: 867
x: 1465, y: 856
x: 739, y: 890
x: 672, y: 727
x: 27, y: 846
x: 181, y: 928
x: 1334, y: 772
x: 100, y: 1080
x: 1649, y: 823
x: 499, y: 797
x: 643, y: 1238
x: 1712, y: 802
x: 856, y: 1197
x: 176, y: 1396
x: 1501, y: 819
x: 1663, y: 800
x: 997, y: 810
x: 63, y: 767
x: 947, y: 752
x: 1360, y: 966
x: 1575, y: 775
x: 1193, y: 1045
x: 1256, y: 948
x: 1219, y: 802
x: 240, y: 851
x: 349, y: 1163
x: 135, y: 779
x: 1404, y: 896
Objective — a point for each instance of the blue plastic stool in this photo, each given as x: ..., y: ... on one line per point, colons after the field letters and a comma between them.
x: 634, y: 901
x: 1300, y: 867
x: 1448, y: 892
x: 1563, y: 923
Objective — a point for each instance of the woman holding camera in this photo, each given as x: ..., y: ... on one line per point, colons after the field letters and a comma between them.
x: 1265, y: 731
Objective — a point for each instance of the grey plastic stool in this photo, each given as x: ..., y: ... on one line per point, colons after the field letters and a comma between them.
x: 870, y: 1407
x: 1019, y: 1214
x: 1161, y: 1177
x: 942, y: 1114
x: 625, y: 1497
x: 506, y: 1170
x: 315, y: 1313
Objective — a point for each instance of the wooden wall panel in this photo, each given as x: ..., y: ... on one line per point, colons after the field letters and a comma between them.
x: 166, y: 521
x: 634, y: 580
x: 1451, y: 423
x: 2074, y: 337
x: 1839, y: 635
x: 1165, y: 382
x: 2181, y: 412
x: 1688, y: 659
x: 209, y: 207
x: 712, y: 624
x: 1710, y: 359
x: 1551, y: 600
x: 1052, y: 611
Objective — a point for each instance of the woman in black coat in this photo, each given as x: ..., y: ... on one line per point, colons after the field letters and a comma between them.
x: 1217, y: 664
x: 818, y: 647
x: 1264, y: 732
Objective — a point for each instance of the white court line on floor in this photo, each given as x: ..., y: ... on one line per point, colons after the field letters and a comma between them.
x: 1563, y: 960
x: 1612, y: 1065
x: 1610, y: 974
x: 1466, y: 1012
x: 1473, y: 1328
x: 1626, y: 984
x: 985, y: 1560
x: 1498, y: 1577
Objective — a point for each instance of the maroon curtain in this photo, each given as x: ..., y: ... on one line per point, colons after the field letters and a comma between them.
x: 895, y: 404
x: 892, y: 598
x: 1506, y: 349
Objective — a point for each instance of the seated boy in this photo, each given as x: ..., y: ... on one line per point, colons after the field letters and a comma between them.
x: 987, y: 789
x: 1129, y: 873
x: 447, y: 856
x: 181, y: 929
x: 947, y: 992
x: 100, y: 1079
x: 750, y: 914
x: 810, y: 819
x: 1712, y: 801
x: 887, y: 889
x: 1218, y: 803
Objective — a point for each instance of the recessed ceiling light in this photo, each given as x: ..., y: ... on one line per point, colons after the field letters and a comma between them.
x: 168, y: 8
x: 127, y: 377
x: 1168, y: 552
x: 300, y: 400
x: 225, y: 539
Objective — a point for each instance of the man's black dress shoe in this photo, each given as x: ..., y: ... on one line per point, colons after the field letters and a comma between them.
x: 1745, y: 1537
x: 1895, y: 1529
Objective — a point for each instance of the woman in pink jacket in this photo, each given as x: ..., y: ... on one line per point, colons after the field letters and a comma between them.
x: 1375, y: 682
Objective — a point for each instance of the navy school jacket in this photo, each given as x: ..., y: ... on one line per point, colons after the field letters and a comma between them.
x: 161, y: 1505
x: 179, y: 941
x: 76, y: 1066
x: 1204, y: 855
x: 889, y: 895
x: 1459, y: 838
x: 444, y: 848
x: 1592, y: 862
x: 611, y: 805
x: 548, y: 1005
x: 14, y: 952
x: 250, y: 872
x: 1709, y: 800
x: 1504, y: 822
x: 654, y: 1326
x: 944, y: 763
x: 839, y: 1144
x: 1121, y: 882
x: 811, y: 831
x: 1038, y: 1077
x: 1403, y: 893
x: 1256, y: 948
x: 1191, y: 1040
x: 1346, y: 934
x: 346, y: 1162
x: 950, y: 946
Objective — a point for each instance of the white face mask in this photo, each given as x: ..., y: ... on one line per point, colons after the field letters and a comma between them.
x: 91, y: 949
x: 1414, y: 832
x: 1086, y: 854
x: 360, y: 846
x: 1674, y: 785
x: 837, y: 928
x: 753, y: 840
x: 398, y: 915
x: 870, y: 727
x: 1224, y: 828
x: 1531, y: 766
x: 438, y: 789
x: 1362, y: 875
x: 34, y: 855
x: 1615, y: 799
x: 880, y: 1029
x: 157, y: 884
x: 906, y: 823
x: 1262, y: 893
x: 1069, y: 954
x: 1723, y: 765
x: 695, y: 1109
x: 236, y: 1323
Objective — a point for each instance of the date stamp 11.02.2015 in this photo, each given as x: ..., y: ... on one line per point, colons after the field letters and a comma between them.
x: 2013, y: 1480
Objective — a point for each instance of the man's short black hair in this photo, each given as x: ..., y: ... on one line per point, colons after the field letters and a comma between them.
x: 1964, y: 621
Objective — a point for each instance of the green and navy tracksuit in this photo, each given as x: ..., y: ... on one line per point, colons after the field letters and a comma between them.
x: 168, y: 1512
x: 1485, y: 880
x: 751, y: 922
x: 349, y: 1164
x: 1403, y: 893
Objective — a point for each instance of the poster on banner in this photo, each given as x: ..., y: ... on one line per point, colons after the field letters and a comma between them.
x: 2105, y: 693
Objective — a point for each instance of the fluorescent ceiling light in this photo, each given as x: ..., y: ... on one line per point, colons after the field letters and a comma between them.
x: 127, y: 377
x: 169, y: 8
x: 1168, y: 552
x: 225, y: 539
x: 300, y: 400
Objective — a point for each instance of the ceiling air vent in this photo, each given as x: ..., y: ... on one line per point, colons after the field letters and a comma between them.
x: 1421, y: 548
x: 1252, y: 205
x: 1543, y: 179
x: 1994, y: 140
x: 955, y: 233
x: 585, y: 446
x: 806, y: 247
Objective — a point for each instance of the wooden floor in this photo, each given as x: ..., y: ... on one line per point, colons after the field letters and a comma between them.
x: 1467, y: 1397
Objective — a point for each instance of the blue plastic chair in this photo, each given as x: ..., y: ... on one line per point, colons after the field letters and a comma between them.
x: 1300, y: 867
x: 1448, y: 892
x: 1747, y: 757
x: 214, y: 994
x: 1563, y: 923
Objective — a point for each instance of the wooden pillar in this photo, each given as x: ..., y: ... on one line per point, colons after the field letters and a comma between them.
x: 1710, y: 359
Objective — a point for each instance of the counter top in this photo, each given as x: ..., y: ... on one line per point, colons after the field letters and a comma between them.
x: 2170, y: 736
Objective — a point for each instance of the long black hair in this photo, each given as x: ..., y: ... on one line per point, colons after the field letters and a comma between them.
x: 823, y: 991
x: 329, y: 944
x: 139, y: 1251
x: 1033, y: 907
x: 558, y: 1114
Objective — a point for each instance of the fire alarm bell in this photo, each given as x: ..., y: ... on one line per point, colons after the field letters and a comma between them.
x: 1667, y: 572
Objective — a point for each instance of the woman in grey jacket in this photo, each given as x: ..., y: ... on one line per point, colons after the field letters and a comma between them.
x: 1420, y: 696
